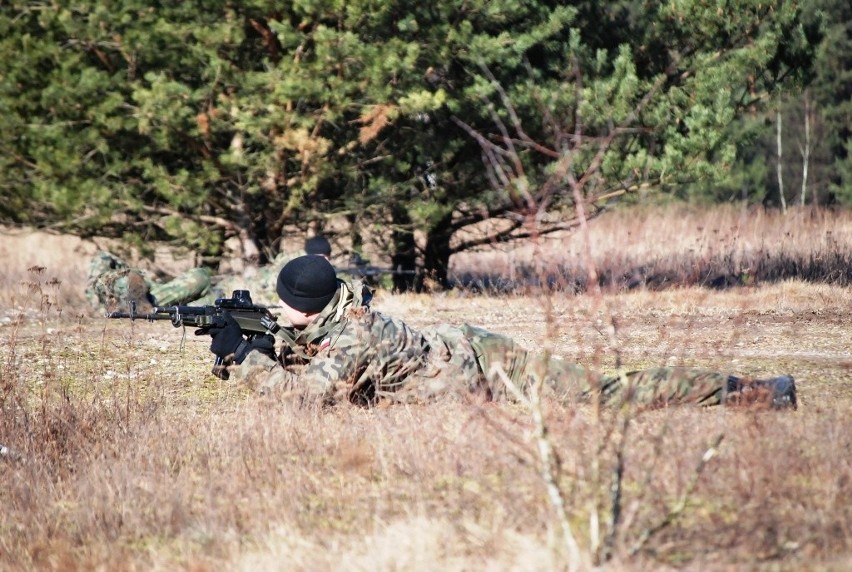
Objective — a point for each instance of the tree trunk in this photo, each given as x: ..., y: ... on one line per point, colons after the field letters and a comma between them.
x: 436, y: 256
x: 806, y: 151
x: 355, y: 238
x: 404, y: 255
x: 248, y: 235
x: 780, y: 165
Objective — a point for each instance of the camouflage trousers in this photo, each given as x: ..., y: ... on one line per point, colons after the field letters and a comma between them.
x: 183, y: 289
x: 502, y: 362
x: 260, y: 282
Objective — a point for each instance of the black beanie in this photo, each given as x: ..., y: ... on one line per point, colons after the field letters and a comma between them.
x: 307, y: 283
x: 318, y: 245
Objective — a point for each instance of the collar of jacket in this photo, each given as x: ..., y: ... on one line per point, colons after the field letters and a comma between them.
x: 331, y: 318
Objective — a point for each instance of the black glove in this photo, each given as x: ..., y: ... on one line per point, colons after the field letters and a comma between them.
x: 227, y: 338
x: 265, y: 344
x: 228, y: 341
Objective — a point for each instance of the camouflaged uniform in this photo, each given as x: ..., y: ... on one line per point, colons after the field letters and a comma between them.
x: 353, y: 353
x: 261, y: 284
x: 112, y: 283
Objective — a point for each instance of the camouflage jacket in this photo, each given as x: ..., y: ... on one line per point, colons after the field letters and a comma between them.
x: 352, y: 353
x: 356, y: 354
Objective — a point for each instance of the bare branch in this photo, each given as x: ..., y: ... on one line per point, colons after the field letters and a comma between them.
x: 509, y: 236
x: 549, y: 468
x: 513, y: 115
x: 215, y: 220
x: 679, y: 507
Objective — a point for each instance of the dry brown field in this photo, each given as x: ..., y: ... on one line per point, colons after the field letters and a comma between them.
x: 127, y: 454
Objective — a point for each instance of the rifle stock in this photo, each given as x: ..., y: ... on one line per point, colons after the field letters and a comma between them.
x: 254, y: 320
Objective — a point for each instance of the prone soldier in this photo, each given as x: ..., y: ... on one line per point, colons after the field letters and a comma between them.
x: 263, y: 278
x: 113, y: 283
x: 337, y: 349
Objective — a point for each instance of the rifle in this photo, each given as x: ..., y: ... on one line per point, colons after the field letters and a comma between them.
x: 362, y: 268
x: 254, y: 320
x: 370, y: 271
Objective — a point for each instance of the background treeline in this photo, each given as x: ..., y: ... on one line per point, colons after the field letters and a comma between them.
x: 412, y: 121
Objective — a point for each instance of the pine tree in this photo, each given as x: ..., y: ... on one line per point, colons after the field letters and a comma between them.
x: 195, y: 124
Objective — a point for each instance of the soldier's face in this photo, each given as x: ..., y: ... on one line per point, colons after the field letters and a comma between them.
x: 297, y: 318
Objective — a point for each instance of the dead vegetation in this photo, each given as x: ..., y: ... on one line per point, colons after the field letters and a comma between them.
x: 125, y: 453
x: 657, y: 248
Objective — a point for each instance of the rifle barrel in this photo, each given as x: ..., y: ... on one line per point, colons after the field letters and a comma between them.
x: 133, y: 316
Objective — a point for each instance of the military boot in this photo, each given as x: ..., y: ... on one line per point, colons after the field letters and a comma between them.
x: 777, y: 392
x: 783, y: 390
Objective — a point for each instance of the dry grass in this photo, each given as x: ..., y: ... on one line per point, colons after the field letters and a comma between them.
x: 135, y: 457
x: 659, y: 247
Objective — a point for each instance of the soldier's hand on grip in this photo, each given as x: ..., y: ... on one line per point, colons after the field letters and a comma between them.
x: 226, y: 337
